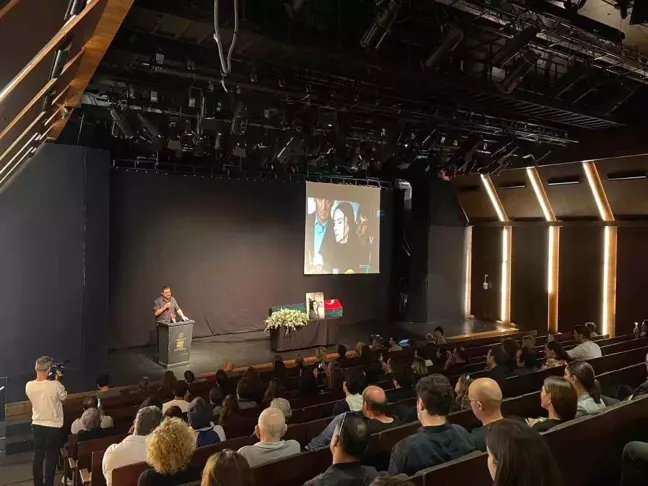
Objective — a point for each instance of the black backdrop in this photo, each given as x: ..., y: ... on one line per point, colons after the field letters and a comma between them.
x: 230, y: 249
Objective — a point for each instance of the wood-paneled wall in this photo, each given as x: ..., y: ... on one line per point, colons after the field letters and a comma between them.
x: 486, y: 260
x: 632, y: 277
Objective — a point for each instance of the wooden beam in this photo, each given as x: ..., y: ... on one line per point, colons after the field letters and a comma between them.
x: 94, y: 51
x: 5, y: 10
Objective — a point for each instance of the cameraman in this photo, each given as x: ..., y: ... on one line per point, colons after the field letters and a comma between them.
x: 47, y: 420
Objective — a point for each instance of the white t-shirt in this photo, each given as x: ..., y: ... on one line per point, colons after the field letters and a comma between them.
x: 585, y: 351
x: 46, y: 397
x: 131, y: 450
x: 183, y: 404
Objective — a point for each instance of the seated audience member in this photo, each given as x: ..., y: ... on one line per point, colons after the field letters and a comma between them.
x: 133, y: 448
x: 586, y: 349
x: 348, y: 445
x: 153, y: 401
x: 246, y: 392
x: 485, y: 400
x: 393, y: 345
x: 439, y: 338
x: 403, y: 380
x: 144, y: 384
x: 555, y: 355
x: 279, y: 368
x: 227, y: 468
x: 174, y: 412
x: 419, y: 369
x: 320, y: 358
x: 461, y: 401
x: 592, y: 327
x: 376, y: 345
x: 635, y: 464
x: 643, y: 388
x: 558, y: 398
x: 500, y: 363
x: 371, y: 366
x: 527, y: 361
x: 528, y: 342
x: 92, y: 402
x: 103, y: 387
x: 269, y: 430
x: 189, y: 377
x: 359, y: 347
x: 299, y: 363
x: 330, y: 367
x: 90, y: 426
x: 374, y: 408
x: 644, y: 329
x: 179, y: 398
x: 342, y: 351
x: 400, y: 480
x: 588, y: 390
x: 229, y: 411
x: 518, y: 455
x: 275, y: 390
x: 169, y: 382
x: 457, y: 358
x: 335, y: 380
x: 437, y: 441
x: 308, y: 382
x: 283, y: 405
x: 352, y: 386
x: 510, y: 347
x: 200, y: 419
x: 169, y: 449
x: 216, y: 400
x: 222, y: 382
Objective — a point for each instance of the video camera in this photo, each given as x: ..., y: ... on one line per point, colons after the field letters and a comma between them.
x: 57, y: 367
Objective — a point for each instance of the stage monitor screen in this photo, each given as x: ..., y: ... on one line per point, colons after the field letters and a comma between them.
x: 342, y: 231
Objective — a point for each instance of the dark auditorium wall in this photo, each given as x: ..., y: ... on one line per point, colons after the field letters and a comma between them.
x: 486, y: 260
x: 581, y: 272
x: 529, y: 277
x: 54, y: 247
x: 230, y: 249
x: 632, y: 277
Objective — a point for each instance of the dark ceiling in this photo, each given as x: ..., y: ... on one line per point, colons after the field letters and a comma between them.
x: 359, y: 86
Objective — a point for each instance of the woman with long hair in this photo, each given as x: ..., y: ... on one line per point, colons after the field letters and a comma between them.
x: 461, y: 390
x: 275, y: 390
x: 227, y: 468
x: 558, y: 398
x: 229, y: 410
x: 335, y: 380
x: 519, y: 456
x: 169, y: 383
x: 308, y: 382
x: 555, y: 355
x: 419, y: 368
x: 581, y: 375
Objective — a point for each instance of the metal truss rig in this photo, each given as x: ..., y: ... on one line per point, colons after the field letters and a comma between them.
x: 559, y: 33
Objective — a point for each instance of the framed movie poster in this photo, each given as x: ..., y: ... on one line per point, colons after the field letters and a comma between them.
x: 315, y: 305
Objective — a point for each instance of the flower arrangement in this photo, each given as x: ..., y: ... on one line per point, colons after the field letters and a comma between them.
x: 290, y: 319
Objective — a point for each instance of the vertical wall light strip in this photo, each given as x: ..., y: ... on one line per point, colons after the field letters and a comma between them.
x: 608, y: 313
x: 468, y: 282
x: 553, y: 246
x: 505, y: 287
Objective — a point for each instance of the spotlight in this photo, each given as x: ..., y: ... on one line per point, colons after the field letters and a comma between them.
x: 239, y: 118
x: 121, y: 123
x: 514, y: 45
x: 379, y: 29
x: 451, y: 40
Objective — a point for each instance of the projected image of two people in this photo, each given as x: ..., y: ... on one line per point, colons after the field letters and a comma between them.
x: 342, y: 236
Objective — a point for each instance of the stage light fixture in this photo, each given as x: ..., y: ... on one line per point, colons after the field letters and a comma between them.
x: 239, y: 118
x: 121, y: 123
x: 381, y: 25
x: 527, y: 62
x: 514, y: 45
x: 451, y: 40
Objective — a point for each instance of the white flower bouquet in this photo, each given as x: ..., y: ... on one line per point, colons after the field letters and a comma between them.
x: 290, y: 319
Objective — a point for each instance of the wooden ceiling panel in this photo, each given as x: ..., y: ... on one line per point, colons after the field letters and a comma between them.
x: 568, y: 200
x: 627, y: 194
x: 517, y: 196
x: 474, y: 198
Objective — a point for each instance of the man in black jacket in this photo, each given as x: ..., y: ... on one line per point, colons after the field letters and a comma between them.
x: 349, y: 443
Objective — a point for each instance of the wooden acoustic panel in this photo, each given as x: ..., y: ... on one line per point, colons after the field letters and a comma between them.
x: 517, y: 196
x: 632, y: 277
x: 628, y: 198
x: 474, y: 199
x: 571, y: 201
x: 486, y: 259
x: 580, y: 280
x: 529, y: 277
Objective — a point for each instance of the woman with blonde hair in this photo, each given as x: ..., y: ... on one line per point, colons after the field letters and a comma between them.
x: 169, y: 449
x: 320, y: 356
x: 419, y: 368
x: 227, y: 468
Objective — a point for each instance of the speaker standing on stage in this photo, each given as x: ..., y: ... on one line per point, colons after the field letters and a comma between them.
x: 165, y: 307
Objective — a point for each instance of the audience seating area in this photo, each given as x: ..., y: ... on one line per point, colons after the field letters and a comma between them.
x: 588, y: 450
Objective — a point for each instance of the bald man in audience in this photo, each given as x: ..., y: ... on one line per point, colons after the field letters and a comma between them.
x: 485, y: 398
x: 269, y: 430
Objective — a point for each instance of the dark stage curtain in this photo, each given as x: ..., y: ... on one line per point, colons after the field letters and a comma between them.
x: 230, y: 249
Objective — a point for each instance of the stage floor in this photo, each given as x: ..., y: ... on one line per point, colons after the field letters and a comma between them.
x: 209, y: 354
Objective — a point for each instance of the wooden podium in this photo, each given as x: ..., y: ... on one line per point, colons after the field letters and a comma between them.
x: 174, y: 343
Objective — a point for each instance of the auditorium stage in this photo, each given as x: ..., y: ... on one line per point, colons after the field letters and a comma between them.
x: 126, y: 366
